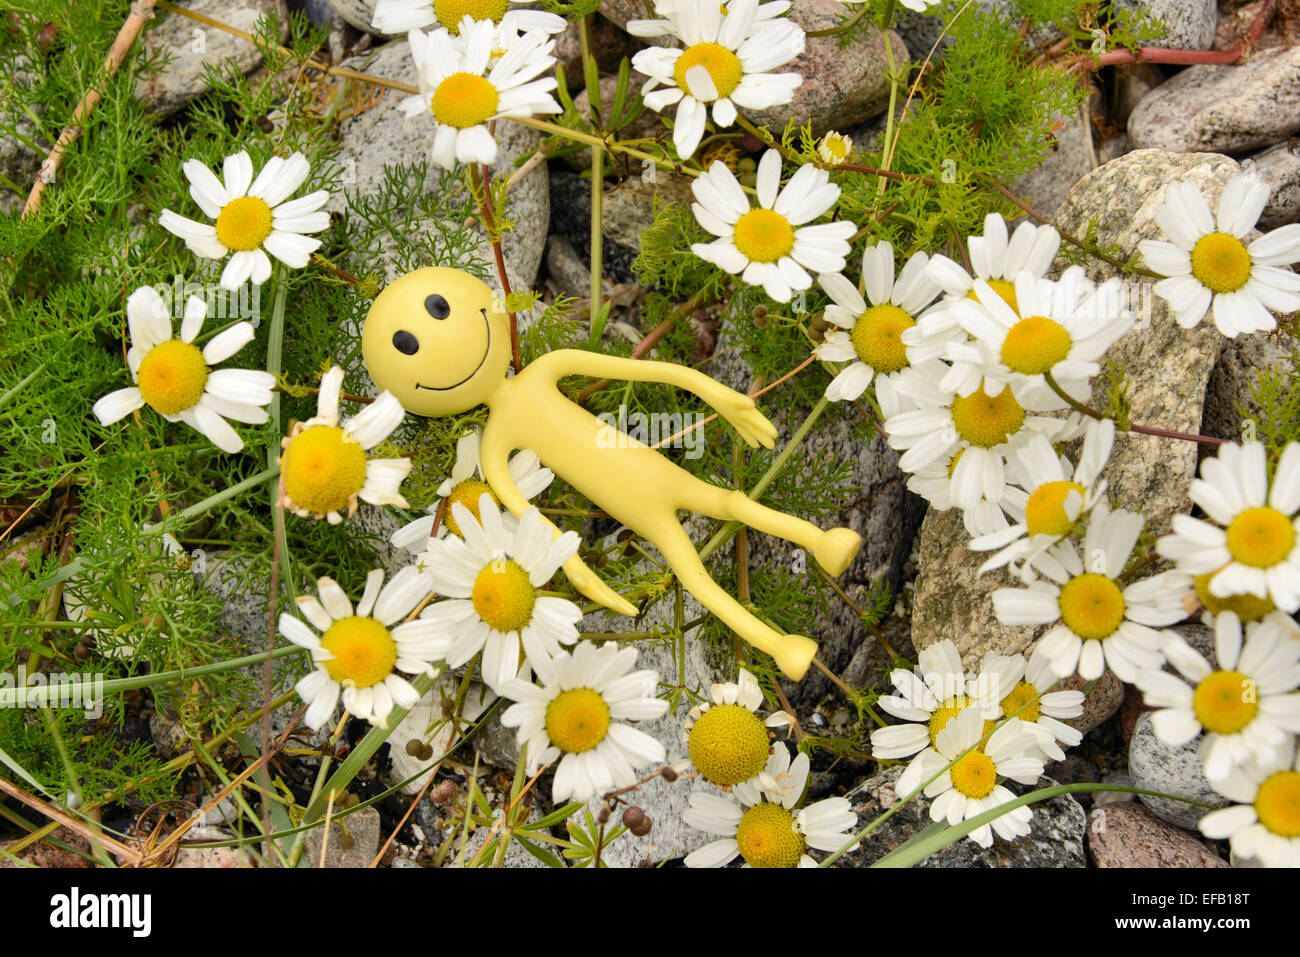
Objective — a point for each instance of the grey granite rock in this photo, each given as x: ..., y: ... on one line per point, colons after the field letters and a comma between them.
x: 1056, y: 836
x: 1129, y: 835
x: 353, y: 841
x: 1188, y: 24
x: 192, y: 48
x: 382, y: 137
x: 1231, y: 410
x: 1226, y: 109
x: 425, y: 723
x: 19, y: 162
x: 1155, y: 766
x: 841, y: 87
x: 359, y: 14
x: 1101, y: 703
x: 627, y: 209
x: 1166, y: 367
x: 1073, y: 157
x: 1114, y: 797
x: 1279, y: 167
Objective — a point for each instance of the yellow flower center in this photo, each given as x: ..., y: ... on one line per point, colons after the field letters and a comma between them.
x: 503, y: 596
x: 243, y: 223
x: 1022, y: 703
x: 1092, y: 606
x: 1247, y: 607
x: 767, y: 837
x: 1261, y: 537
x: 728, y: 744
x: 172, y: 376
x: 877, y: 337
x: 1034, y: 345
x: 763, y: 236
x: 986, y: 420
x: 1220, y: 262
x: 577, y: 720
x: 464, y: 100
x: 323, y: 467
x: 467, y: 493
x: 1005, y: 289
x: 974, y: 775
x: 723, y: 66
x: 1225, y: 702
x: 945, y: 713
x: 451, y: 12
x: 1045, y: 510
x: 1277, y: 802
x: 364, y: 652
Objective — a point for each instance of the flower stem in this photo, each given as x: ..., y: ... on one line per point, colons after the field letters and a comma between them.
x: 1132, y: 427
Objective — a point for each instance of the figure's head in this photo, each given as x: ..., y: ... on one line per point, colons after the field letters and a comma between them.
x: 438, y: 339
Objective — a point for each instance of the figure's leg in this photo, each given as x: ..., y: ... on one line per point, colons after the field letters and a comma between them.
x: 833, y: 549
x: 792, y: 653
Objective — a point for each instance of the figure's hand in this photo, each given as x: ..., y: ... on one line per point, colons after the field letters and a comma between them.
x: 754, y: 427
x: 591, y: 585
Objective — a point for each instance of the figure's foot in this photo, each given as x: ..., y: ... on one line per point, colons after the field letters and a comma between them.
x: 836, y: 549
x: 793, y: 655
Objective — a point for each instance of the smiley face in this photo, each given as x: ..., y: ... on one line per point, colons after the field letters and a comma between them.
x: 438, y: 339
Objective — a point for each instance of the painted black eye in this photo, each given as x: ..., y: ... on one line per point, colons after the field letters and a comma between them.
x: 437, y: 307
x: 404, y: 342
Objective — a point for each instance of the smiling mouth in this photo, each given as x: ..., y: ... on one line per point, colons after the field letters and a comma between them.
x: 488, y: 349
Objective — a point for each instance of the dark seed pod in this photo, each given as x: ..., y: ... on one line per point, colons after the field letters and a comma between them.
x: 347, y: 841
x: 668, y: 773
x: 637, y: 821
x: 426, y: 753
x: 602, y: 816
x: 414, y: 746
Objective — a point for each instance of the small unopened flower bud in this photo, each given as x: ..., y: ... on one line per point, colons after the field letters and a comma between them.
x: 760, y: 312
x: 444, y: 792
x: 668, y: 773
x: 448, y: 706
x: 346, y: 841
x: 637, y: 821
x: 818, y: 325
x: 602, y: 816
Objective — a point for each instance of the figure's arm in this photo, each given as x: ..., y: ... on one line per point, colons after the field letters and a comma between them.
x: 737, y: 409
x: 493, y: 458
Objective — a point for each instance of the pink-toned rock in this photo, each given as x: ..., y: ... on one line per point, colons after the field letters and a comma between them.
x: 1128, y: 835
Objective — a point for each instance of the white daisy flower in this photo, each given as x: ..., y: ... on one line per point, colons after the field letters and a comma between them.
x: 727, y: 742
x: 323, y: 466
x: 463, y: 87
x: 1066, y: 328
x: 358, y: 649
x: 765, y: 828
x: 933, y: 482
x: 394, y: 17
x: 466, y: 485
x: 729, y: 50
x: 928, y: 699
x: 920, y: 6
x: 1058, y: 496
x: 1209, y: 265
x: 1251, y: 543
x: 769, y: 245
x: 997, y: 260
x: 975, y: 434
x: 172, y: 376
x: 835, y: 148
x: 1024, y: 693
x: 578, y: 712
x: 1247, y: 708
x: 872, y: 336
x: 251, y: 217
x: 1098, y: 623
x: 1265, y: 822
x: 490, y: 577
x: 969, y: 787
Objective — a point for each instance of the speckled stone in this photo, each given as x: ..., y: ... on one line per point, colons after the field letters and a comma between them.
x: 1188, y: 24
x: 1230, y: 405
x: 1101, y: 702
x: 18, y: 161
x: 1279, y: 167
x: 362, y: 827
x: 1156, y: 767
x: 1046, y: 186
x: 1129, y: 835
x: 1225, y: 109
x: 193, y: 48
x: 1056, y: 837
x: 841, y: 87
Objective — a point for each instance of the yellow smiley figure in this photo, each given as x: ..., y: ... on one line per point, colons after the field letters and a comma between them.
x: 438, y: 339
